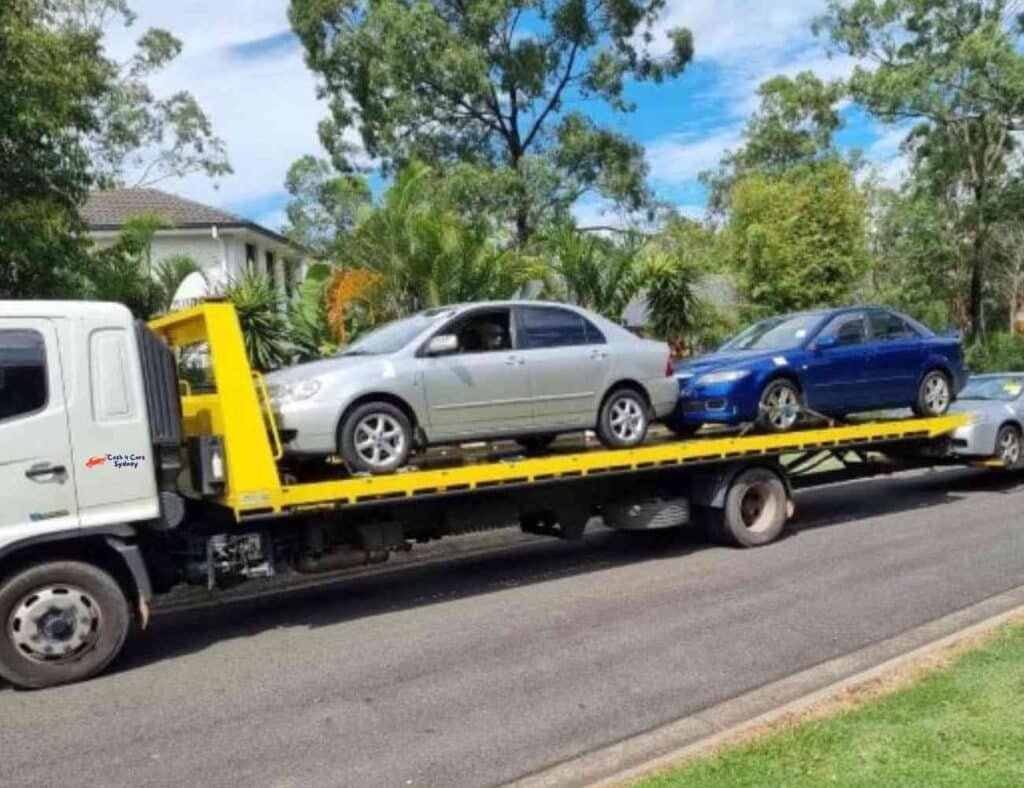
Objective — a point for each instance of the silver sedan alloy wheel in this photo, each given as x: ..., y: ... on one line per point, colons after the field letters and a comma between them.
x: 54, y: 624
x: 379, y: 439
x: 627, y: 419
x: 1009, y: 447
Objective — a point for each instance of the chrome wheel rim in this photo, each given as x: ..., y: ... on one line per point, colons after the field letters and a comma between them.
x: 627, y: 419
x: 1009, y: 447
x: 379, y: 440
x: 782, y: 407
x: 936, y: 394
x: 54, y: 624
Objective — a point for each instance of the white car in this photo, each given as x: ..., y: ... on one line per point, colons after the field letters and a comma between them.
x: 526, y: 370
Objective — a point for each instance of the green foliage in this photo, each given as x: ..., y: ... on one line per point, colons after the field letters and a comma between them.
x: 427, y: 253
x: 324, y: 206
x: 263, y: 324
x: 309, y: 330
x: 1002, y: 352
x: 956, y: 66
x: 469, y: 83
x: 591, y: 271
x: 50, y: 80
x: 675, y: 266
x: 168, y: 276
x: 794, y: 124
x: 797, y: 239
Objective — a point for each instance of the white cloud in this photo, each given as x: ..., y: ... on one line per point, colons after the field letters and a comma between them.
x: 681, y: 157
x: 265, y: 108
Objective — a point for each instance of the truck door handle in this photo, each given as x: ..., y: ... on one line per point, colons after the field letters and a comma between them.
x: 45, y: 470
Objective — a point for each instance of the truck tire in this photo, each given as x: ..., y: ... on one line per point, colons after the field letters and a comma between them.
x: 754, y: 512
x: 63, y: 621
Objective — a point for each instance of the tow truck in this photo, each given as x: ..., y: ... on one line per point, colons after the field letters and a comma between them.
x: 124, y: 482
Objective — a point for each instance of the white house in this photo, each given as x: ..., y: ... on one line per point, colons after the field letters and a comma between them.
x: 222, y: 244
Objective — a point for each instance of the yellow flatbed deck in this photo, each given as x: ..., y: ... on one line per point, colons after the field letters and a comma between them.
x: 238, y: 412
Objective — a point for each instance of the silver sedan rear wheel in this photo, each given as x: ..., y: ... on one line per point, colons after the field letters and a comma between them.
x: 623, y: 420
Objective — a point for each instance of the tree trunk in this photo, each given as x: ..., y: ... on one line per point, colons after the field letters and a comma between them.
x: 976, y: 303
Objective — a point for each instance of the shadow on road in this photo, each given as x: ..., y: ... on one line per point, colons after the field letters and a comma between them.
x: 535, y: 561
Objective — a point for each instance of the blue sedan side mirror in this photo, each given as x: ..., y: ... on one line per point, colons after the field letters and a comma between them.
x: 826, y: 342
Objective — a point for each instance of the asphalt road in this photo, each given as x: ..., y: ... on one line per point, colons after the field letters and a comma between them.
x: 477, y: 669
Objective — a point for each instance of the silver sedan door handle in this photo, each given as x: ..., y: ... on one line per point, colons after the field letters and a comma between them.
x: 599, y: 355
x: 514, y: 360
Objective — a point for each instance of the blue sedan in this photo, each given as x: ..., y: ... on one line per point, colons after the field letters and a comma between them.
x: 832, y: 362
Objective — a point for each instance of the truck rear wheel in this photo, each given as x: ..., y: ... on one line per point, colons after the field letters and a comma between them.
x: 755, y: 511
x: 63, y: 621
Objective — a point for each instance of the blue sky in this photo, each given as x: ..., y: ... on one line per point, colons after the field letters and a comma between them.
x: 246, y: 68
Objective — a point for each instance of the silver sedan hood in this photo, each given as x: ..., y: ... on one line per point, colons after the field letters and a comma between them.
x: 328, y: 367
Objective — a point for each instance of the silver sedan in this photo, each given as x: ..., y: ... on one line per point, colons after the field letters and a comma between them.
x: 525, y: 370
x: 996, y: 405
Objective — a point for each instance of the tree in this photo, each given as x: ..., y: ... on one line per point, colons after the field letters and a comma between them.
x: 675, y: 266
x: 324, y: 206
x: 485, y: 85
x: 795, y: 123
x: 427, y: 254
x: 50, y: 81
x: 263, y: 325
x: 168, y: 275
x: 593, y: 272
x: 797, y: 238
x: 955, y: 66
x: 141, y: 138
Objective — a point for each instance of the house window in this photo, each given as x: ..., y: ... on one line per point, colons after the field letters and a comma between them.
x: 250, y: 258
x: 270, y: 264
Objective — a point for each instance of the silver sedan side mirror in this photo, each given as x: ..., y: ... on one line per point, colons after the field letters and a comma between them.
x: 442, y: 345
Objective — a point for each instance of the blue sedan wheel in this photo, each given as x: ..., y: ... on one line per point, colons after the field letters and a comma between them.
x: 779, y: 406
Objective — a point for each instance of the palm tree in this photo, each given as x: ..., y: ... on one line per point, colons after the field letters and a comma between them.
x: 426, y: 254
x: 593, y: 272
x: 168, y: 277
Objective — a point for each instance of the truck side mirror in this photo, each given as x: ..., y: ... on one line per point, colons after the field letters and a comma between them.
x: 442, y: 345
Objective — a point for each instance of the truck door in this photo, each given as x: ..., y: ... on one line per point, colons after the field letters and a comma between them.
x: 37, y: 470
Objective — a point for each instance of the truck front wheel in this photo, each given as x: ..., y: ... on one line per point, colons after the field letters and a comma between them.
x: 63, y: 621
x: 755, y: 510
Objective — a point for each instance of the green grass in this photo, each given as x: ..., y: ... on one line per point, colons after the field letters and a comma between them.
x: 962, y: 725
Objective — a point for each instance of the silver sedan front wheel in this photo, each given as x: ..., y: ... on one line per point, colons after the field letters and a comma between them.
x: 376, y: 438
x: 1008, y: 446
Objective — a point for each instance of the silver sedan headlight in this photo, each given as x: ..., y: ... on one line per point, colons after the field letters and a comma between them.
x: 726, y: 376
x: 294, y: 392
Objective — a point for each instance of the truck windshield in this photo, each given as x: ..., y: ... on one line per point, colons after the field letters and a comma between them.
x: 392, y: 337
x: 1004, y: 388
x: 775, y: 333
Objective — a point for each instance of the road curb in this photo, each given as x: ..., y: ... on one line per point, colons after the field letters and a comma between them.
x: 663, y: 746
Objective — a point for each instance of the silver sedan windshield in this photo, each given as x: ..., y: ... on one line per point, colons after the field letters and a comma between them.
x: 392, y: 337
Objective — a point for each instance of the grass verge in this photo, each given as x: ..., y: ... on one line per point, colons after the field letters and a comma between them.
x: 960, y: 724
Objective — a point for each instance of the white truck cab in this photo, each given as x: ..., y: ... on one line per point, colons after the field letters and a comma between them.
x: 75, y: 448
